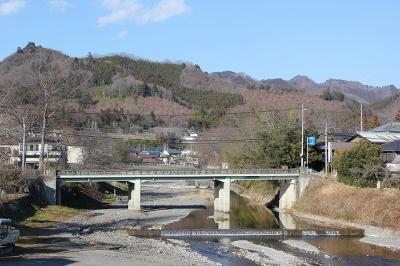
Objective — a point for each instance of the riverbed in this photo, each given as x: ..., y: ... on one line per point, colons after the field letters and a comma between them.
x: 99, y: 237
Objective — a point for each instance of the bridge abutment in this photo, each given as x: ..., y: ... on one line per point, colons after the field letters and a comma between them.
x: 134, y: 188
x: 222, y: 195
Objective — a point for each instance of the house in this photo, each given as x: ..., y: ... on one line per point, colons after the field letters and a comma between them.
x: 333, y: 148
x: 390, y: 150
x: 394, y: 166
x: 169, y: 152
x: 8, y: 151
x: 54, y: 150
x: 188, y: 152
x: 382, y: 134
x: 190, y: 136
x: 150, y: 153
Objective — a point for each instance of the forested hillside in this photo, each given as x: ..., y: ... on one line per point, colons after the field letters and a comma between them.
x: 388, y: 109
x: 121, y: 94
x: 352, y: 89
x: 102, y: 93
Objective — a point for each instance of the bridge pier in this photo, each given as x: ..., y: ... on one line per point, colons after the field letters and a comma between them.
x: 134, y: 195
x: 222, y: 195
x: 291, y: 190
x: 287, y: 193
x: 58, y: 191
x: 222, y: 219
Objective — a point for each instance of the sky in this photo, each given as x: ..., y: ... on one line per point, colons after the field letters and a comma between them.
x: 345, y: 39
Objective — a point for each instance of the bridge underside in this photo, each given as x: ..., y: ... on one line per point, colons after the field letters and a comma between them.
x: 288, y: 181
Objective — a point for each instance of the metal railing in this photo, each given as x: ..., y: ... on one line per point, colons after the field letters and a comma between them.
x: 180, y: 172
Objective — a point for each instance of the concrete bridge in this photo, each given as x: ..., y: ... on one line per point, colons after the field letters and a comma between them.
x: 292, y: 181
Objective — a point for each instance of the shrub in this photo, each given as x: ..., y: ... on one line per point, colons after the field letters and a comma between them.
x: 360, y: 166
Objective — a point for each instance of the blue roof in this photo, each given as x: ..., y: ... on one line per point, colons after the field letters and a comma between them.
x: 134, y: 150
x: 152, y: 152
x: 173, y: 151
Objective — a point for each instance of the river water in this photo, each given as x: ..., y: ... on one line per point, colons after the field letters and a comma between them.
x: 333, y: 250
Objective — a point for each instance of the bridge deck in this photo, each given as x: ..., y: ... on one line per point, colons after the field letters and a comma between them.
x: 175, y: 174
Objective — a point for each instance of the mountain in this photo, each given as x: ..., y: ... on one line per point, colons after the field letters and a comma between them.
x: 352, y: 89
x: 359, y: 91
x: 387, y: 108
x: 111, y: 87
x: 303, y: 83
x: 240, y: 79
x: 276, y: 83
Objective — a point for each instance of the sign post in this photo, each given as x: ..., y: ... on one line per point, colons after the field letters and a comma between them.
x: 311, y: 141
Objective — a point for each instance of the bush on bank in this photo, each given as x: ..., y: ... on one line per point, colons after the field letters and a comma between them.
x: 359, y: 166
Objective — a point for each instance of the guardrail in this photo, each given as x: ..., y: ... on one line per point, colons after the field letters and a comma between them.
x: 175, y: 172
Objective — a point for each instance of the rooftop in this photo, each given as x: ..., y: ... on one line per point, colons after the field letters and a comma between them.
x: 379, y: 137
x: 390, y: 127
x: 382, y: 134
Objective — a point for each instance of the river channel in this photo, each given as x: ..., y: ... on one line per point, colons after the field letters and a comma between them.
x: 333, y: 250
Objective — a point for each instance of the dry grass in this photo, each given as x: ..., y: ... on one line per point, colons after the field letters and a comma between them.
x: 361, y: 205
x: 259, y: 192
x: 49, y: 215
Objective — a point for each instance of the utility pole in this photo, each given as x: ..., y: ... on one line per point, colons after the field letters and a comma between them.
x: 361, y: 120
x: 326, y: 147
x: 23, y: 145
x: 302, y: 136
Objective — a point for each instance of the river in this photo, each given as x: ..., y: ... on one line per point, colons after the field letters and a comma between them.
x: 332, y: 250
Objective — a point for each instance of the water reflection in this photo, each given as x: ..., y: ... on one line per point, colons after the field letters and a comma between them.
x: 242, y: 216
x: 335, y: 250
x: 345, y: 247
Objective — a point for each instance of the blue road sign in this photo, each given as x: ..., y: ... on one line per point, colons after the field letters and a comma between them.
x: 311, y: 141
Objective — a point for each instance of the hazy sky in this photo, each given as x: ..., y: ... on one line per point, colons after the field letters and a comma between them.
x: 355, y: 40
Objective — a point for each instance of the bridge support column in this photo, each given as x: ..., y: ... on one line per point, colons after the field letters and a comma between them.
x: 287, y: 193
x: 222, y: 219
x: 222, y: 195
x: 291, y: 190
x: 134, y: 195
x: 58, y: 191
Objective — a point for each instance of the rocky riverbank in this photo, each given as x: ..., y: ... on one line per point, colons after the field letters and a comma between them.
x: 98, y: 237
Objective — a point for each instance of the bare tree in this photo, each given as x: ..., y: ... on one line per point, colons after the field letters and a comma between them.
x: 97, y: 153
x: 54, y: 90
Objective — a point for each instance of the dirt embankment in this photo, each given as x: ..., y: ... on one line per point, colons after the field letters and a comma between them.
x: 256, y: 192
x: 377, y: 207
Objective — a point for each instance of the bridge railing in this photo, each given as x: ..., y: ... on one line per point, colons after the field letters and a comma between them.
x: 176, y: 172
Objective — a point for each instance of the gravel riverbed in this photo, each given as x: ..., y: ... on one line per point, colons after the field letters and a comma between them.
x: 99, y: 237
x: 162, y: 203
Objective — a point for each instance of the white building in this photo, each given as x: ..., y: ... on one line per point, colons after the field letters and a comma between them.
x: 55, y: 150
